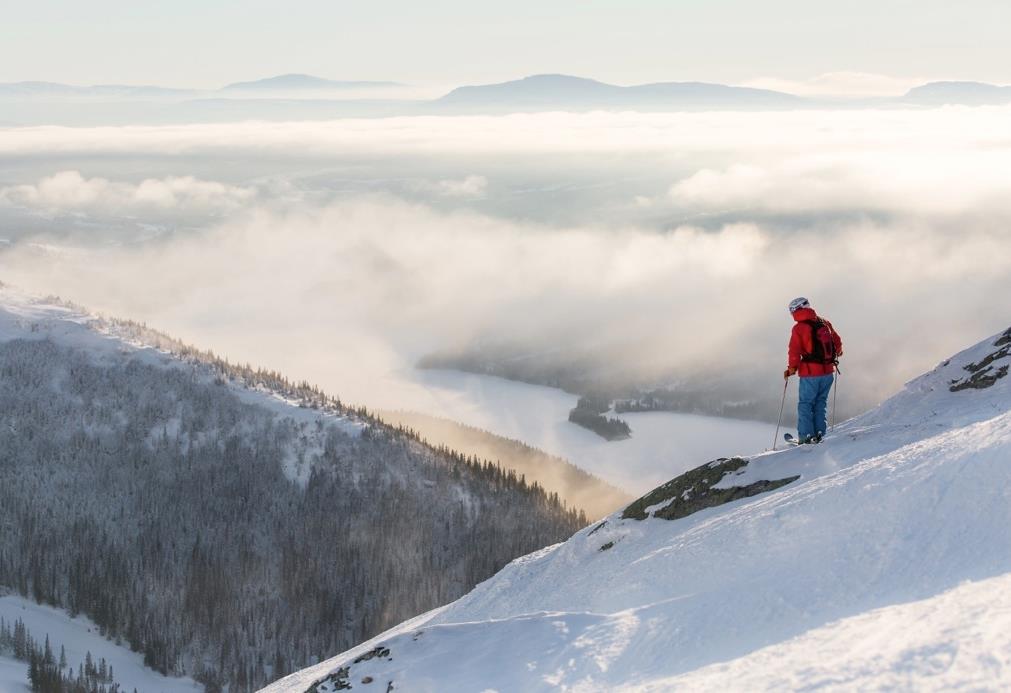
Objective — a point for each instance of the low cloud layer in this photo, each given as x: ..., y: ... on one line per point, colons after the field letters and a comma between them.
x: 358, y: 290
x: 912, y: 183
x: 672, y: 240
x: 468, y: 187
x: 69, y: 191
x: 768, y: 135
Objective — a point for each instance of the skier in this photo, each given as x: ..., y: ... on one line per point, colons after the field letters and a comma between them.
x: 813, y: 354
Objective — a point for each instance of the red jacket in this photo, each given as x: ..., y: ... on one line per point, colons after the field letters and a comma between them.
x: 800, y: 344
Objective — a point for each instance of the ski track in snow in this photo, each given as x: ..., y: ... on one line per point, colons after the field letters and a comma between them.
x: 853, y: 577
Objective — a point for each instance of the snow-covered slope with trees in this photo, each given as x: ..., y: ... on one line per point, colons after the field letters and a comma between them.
x: 805, y: 567
x: 78, y: 645
x: 223, y: 522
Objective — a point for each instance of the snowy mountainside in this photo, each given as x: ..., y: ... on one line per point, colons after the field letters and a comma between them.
x: 78, y: 638
x: 900, y: 516
x: 227, y: 524
x: 107, y: 341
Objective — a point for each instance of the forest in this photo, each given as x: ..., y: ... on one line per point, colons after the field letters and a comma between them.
x: 223, y: 540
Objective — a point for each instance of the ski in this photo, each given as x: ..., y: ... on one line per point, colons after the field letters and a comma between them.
x: 792, y: 440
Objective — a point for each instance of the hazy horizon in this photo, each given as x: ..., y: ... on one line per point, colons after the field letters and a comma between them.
x: 836, y: 84
x: 207, y: 45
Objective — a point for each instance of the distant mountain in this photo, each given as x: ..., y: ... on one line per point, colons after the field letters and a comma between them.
x: 298, y: 82
x: 58, y: 90
x: 282, y: 84
x: 958, y: 93
x: 541, y: 92
x: 35, y: 88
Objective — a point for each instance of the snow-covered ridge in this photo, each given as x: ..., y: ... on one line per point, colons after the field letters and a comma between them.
x: 882, y: 524
x: 54, y: 318
x: 145, y: 489
x: 26, y: 316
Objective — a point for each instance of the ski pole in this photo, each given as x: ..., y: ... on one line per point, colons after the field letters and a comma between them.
x: 835, y: 394
x: 775, y: 439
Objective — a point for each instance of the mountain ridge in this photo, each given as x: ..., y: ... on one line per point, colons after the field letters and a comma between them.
x: 881, y: 523
x: 958, y: 93
x: 556, y: 90
x: 186, y: 504
x: 298, y: 81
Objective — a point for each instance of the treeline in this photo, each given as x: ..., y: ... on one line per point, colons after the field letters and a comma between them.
x: 223, y: 541
x: 46, y: 673
x: 575, y: 485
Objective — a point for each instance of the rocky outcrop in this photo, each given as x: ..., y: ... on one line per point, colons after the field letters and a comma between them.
x: 340, y: 680
x: 695, y: 490
x: 984, y: 374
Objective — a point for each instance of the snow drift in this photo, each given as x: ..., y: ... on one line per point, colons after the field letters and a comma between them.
x: 801, y: 567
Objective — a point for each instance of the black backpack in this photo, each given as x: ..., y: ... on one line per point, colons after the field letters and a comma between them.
x: 822, y: 343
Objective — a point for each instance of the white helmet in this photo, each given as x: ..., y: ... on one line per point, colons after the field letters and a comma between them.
x: 798, y: 303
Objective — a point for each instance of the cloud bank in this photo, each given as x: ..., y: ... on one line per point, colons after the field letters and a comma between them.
x: 672, y: 242
x: 766, y: 134
x: 70, y: 191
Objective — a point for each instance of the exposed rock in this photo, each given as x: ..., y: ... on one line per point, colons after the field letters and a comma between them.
x: 984, y: 374
x: 606, y: 546
x: 336, y: 681
x: 980, y: 380
x: 693, y: 491
x: 378, y: 651
x: 1004, y: 338
x: 340, y: 680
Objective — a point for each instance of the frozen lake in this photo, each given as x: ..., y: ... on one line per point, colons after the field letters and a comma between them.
x: 663, y: 444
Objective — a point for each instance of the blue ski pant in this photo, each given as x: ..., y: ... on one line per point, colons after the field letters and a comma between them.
x: 811, y: 405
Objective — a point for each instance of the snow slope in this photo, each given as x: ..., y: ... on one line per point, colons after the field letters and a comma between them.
x: 27, y: 316
x: 961, y: 638
x: 900, y: 517
x: 78, y: 636
x: 13, y: 676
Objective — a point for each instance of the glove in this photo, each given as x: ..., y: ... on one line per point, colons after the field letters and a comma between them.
x: 788, y: 372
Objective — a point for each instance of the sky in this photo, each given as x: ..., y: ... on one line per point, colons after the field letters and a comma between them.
x: 191, y: 43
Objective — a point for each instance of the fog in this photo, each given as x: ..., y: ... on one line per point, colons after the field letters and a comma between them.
x: 666, y: 244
